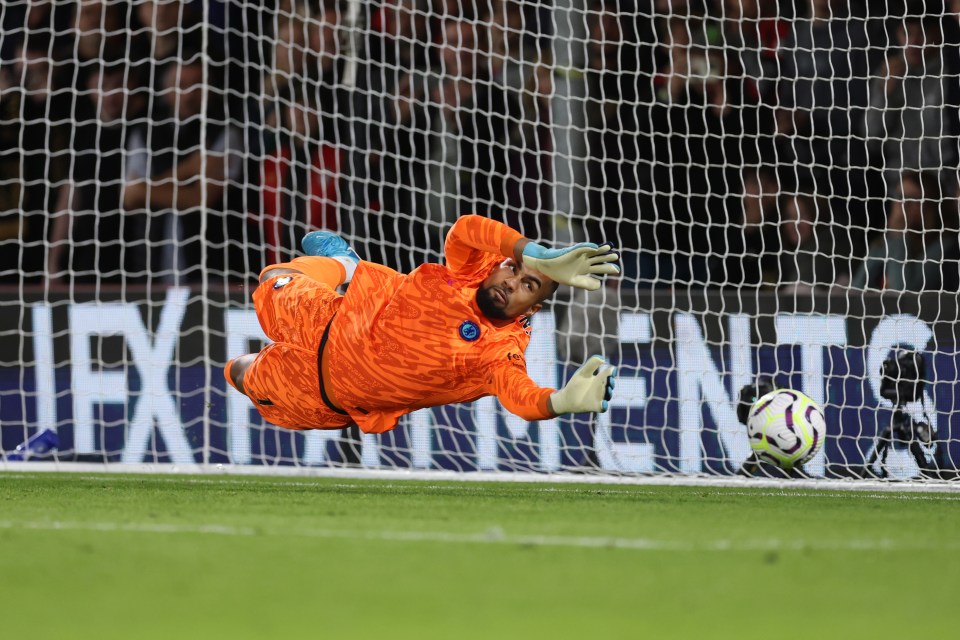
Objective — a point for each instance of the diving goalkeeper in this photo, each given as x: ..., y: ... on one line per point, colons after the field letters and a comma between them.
x: 396, y: 343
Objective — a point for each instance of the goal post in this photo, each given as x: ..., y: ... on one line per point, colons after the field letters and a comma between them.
x: 781, y: 180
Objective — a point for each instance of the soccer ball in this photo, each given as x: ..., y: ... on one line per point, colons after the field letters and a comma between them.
x: 786, y: 428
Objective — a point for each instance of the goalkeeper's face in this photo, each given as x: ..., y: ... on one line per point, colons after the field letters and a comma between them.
x: 512, y: 290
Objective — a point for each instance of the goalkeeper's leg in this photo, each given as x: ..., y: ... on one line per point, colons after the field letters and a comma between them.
x: 319, y: 269
x: 291, y: 308
x: 294, y: 309
x: 329, y: 260
x: 282, y: 382
x: 236, y: 368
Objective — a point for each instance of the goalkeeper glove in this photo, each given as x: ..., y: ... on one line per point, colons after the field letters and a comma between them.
x: 577, y: 266
x: 590, y: 389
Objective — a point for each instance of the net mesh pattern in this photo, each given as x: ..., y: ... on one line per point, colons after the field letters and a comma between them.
x: 780, y: 179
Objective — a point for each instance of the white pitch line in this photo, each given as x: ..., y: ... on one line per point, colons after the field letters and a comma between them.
x: 518, y: 478
x: 493, y: 536
x: 472, y: 487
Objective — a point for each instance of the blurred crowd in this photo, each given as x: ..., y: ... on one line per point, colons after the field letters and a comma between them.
x: 725, y: 143
x: 800, y: 146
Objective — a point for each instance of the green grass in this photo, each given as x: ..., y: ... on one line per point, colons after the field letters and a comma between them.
x: 114, y: 556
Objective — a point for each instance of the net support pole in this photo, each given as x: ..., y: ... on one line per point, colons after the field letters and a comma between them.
x: 351, y: 43
x: 568, y: 118
x: 204, y: 214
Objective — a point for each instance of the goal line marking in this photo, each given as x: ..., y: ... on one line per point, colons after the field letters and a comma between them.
x: 931, y: 487
x: 466, y: 486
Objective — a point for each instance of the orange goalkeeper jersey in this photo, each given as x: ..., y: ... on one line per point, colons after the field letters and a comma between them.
x: 404, y: 342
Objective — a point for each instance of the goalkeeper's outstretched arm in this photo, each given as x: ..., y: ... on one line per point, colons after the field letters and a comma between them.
x: 580, y: 265
x: 589, y: 390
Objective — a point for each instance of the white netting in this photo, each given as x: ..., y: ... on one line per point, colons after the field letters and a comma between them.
x: 781, y: 179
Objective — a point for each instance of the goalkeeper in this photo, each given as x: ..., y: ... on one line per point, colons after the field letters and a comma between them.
x: 396, y: 343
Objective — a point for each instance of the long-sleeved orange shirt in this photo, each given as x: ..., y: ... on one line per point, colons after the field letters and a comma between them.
x: 404, y: 342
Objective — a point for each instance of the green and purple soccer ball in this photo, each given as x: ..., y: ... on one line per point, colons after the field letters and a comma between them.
x: 786, y: 428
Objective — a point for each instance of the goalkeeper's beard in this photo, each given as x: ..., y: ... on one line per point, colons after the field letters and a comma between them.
x: 490, y: 305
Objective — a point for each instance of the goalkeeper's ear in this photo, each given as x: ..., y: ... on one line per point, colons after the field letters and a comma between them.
x: 550, y: 290
x: 533, y: 309
x: 547, y: 292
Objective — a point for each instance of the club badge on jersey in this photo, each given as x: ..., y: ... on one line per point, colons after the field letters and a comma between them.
x: 469, y: 331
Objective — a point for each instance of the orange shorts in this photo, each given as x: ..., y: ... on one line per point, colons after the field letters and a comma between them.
x: 283, y: 382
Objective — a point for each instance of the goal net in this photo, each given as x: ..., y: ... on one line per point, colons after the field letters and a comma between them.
x: 779, y: 177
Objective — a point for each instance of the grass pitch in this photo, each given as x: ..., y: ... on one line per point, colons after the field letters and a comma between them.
x: 87, y: 556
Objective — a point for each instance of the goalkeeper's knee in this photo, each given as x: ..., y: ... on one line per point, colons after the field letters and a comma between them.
x: 276, y: 270
x: 235, y: 370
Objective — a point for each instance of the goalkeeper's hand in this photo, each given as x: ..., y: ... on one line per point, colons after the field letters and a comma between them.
x: 589, y: 390
x: 580, y: 265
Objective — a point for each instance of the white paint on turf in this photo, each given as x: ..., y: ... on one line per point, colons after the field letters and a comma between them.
x: 462, y: 486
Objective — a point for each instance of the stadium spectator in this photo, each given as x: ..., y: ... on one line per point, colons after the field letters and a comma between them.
x: 452, y: 98
x: 723, y: 135
x: 679, y: 62
x: 307, y: 46
x: 175, y: 28
x: 292, y: 57
x: 919, y: 251
x: 86, y: 240
x: 823, y: 95
x: 513, y: 51
x: 519, y: 62
x: 174, y: 181
x: 103, y: 29
x: 242, y: 30
x: 90, y: 233
x: 708, y: 132
x: 445, y: 149
x: 619, y: 154
x: 44, y: 18
x: 390, y: 134
x: 913, y: 119
x: 42, y: 133
x: 10, y: 184
x: 470, y: 141
x: 499, y: 151
x: 753, y: 31
x: 753, y: 238
x: 808, y: 260
x: 302, y: 111
x: 300, y: 177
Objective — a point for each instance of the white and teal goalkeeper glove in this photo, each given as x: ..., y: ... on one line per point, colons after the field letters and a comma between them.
x: 589, y: 390
x: 580, y: 265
